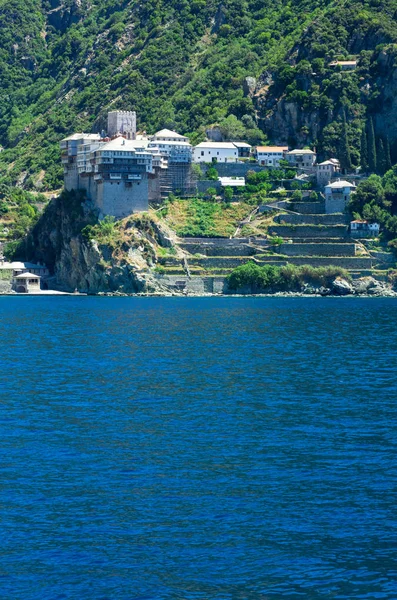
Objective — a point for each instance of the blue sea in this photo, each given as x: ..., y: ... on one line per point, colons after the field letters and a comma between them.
x: 198, y: 449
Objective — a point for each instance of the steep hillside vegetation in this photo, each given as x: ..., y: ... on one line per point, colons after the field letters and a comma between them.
x: 178, y: 63
x: 308, y: 100
x: 184, y: 64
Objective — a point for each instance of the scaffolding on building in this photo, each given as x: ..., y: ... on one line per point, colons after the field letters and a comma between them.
x: 178, y: 179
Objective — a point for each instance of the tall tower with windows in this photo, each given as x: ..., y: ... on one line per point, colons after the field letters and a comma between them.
x: 122, y: 121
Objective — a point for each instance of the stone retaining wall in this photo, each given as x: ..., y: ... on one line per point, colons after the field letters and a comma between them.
x: 204, y: 184
x: 5, y: 286
x: 316, y: 219
x: 350, y: 263
x: 317, y: 249
x: 321, y: 240
x: 215, y: 250
x: 292, y: 231
x: 233, y: 169
x: 385, y: 257
x: 195, y: 284
x: 215, y: 240
x: 218, y: 262
x: 308, y: 208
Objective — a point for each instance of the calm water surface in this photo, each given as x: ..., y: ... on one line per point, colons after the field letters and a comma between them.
x: 198, y: 449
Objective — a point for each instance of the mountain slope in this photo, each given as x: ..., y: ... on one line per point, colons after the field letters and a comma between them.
x: 177, y: 63
x: 308, y: 98
x: 183, y: 65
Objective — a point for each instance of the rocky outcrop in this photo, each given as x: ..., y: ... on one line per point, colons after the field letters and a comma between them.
x: 341, y: 287
x: 62, y: 16
x: 372, y: 287
x: 79, y: 261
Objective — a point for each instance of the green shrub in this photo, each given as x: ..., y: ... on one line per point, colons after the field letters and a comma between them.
x: 228, y: 193
x: 257, y: 278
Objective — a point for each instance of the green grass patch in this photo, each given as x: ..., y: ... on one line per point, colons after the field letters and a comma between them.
x: 200, y: 218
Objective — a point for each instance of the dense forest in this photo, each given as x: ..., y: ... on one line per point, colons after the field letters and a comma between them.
x: 260, y: 68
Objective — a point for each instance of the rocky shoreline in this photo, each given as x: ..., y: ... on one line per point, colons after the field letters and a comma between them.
x: 366, y: 287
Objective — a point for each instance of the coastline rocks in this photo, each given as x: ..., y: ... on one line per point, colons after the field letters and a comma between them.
x: 323, y: 291
x: 372, y: 287
x: 341, y: 287
x: 361, y: 285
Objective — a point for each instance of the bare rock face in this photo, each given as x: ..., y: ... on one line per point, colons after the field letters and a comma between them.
x: 286, y: 122
x: 214, y: 134
x: 249, y: 86
x: 61, y: 17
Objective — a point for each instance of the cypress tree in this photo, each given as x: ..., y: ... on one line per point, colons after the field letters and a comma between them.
x: 364, y: 151
x: 372, y: 163
x: 381, y: 158
x: 388, y: 155
x: 344, y: 155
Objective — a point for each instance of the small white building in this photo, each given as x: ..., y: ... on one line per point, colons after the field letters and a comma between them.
x: 222, y: 152
x: 26, y: 283
x: 326, y: 170
x: 360, y: 228
x: 270, y: 156
x: 345, y: 65
x: 337, y: 195
x: 302, y: 159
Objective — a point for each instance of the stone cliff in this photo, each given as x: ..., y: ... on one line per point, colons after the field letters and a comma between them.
x: 96, y: 257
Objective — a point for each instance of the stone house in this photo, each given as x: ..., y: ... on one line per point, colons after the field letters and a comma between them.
x: 26, y: 283
x: 337, y: 195
x: 301, y: 159
x: 327, y: 170
x: 360, y: 228
x: 270, y: 156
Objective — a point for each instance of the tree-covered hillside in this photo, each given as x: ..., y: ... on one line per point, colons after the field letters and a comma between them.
x: 183, y: 64
x: 312, y: 100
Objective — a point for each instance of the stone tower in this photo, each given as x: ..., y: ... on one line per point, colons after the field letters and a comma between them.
x: 122, y: 121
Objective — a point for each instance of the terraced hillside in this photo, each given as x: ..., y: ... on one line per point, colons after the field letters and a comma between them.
x: 300, y: 239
